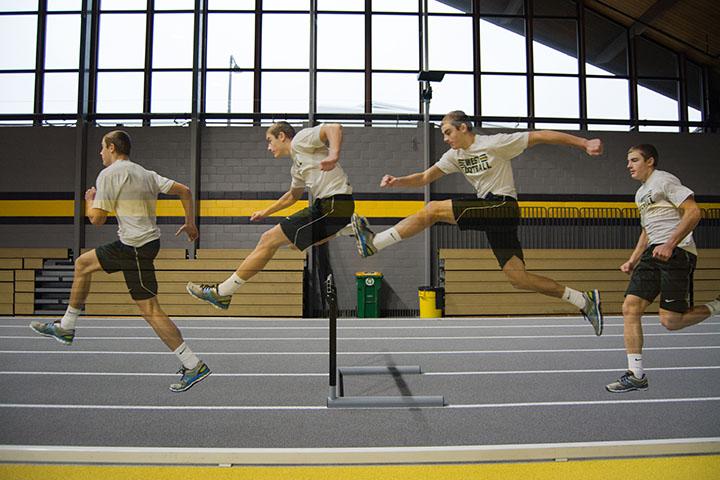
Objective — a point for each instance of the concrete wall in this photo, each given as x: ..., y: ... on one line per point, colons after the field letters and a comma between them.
x: 39, y: 161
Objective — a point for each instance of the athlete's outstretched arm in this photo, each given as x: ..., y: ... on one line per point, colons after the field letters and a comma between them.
x: 288, y: 199
x: 415, y: 180
x: 592, y: 147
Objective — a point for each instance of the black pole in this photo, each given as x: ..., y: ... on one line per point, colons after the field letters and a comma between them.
x: 331, y: 294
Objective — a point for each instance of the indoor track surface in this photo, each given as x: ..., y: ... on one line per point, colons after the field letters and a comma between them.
x: 515, y: 389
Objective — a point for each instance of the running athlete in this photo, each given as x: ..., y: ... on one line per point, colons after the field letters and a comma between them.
x: 662, y: 263
x: 315, y: 153
x: 485, y: 162
x: 129, y: 190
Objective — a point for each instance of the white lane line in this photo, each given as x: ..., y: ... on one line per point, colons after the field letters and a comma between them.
x: 582, y: 403
x: 461, y: 337
x: 369, y: 327
x: 325, y: 374
x: 420, y: 352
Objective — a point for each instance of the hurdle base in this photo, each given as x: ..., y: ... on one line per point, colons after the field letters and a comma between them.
x: 406, y: 401
x: 337, y: 398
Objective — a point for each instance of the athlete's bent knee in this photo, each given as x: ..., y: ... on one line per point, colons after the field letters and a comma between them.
x: 670, y: 321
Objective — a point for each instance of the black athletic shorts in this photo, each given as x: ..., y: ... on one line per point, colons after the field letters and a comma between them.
x: 323, y: 219
x: 496, y: 215
x: 136, y: 263
x: 673, y: 279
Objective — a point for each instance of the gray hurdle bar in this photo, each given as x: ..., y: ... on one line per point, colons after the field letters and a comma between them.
x: 337, y: 398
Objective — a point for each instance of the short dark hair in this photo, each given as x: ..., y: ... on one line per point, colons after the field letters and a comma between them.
x: 457, y: 118
x: 121, y: 140
x: 283, y: 127
x: 647, y: 151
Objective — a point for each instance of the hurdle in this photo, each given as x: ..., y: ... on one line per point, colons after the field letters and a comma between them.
x: 336, y: 397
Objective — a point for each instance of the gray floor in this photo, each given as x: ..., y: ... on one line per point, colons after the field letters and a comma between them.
x: 505, y: 380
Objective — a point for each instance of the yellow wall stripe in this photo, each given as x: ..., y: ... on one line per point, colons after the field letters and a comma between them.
x: 244, y: 208
x: 36, y: 208
x: 663, y: 468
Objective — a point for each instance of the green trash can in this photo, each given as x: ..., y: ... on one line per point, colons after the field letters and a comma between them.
x: 368, y: 294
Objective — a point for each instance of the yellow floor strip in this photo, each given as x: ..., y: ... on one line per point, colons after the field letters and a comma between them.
x: 675, y: 468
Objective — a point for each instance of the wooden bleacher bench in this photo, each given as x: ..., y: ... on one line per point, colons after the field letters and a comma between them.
x: 277, y: 291
x: 17, y: 277
x: 475, y: 285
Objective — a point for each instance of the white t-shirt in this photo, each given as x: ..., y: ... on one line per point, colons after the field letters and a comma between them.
x: 486, y: 163
x: 131, y: 192
x: 307, y: 150
x: 658, y: 199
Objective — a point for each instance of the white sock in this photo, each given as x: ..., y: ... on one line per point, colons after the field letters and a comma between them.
x: 186, y: 356
x: 635, y: 364
x: 386, y: 238
x: 714, y: 306
x: 574, y: 297
x: 231, y: 285
x: 67, y: 322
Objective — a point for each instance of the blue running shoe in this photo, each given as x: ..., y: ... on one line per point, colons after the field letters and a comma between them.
x: 53, y: 329
x: 208, y: 293
x: 363, y: 236
x: 627, y: 383
x: 190, y: 377
x: 593, y: 310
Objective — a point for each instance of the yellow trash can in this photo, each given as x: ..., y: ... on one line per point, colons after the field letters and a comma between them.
x: 431, y: 301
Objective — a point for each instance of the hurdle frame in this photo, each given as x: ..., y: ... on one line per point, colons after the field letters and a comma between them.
x: 336, y: 396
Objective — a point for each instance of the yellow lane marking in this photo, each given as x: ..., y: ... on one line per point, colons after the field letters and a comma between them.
x: 675, y: 468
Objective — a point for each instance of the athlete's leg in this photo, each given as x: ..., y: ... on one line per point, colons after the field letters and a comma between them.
x: 521, y: 279
x: 368, y: 243
x: 85, y: 265
x: 269, y: 243
x: 633, y: 309
x: 676, y: 320
x: 434, y: 212
x: 156, y: 317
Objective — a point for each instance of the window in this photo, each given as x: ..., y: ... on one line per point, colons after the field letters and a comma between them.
x: 62, y: 45
x: 395, y: 93
x: 504, y: 95
x: 16, y: 92
x: 120, y: 92
x: 117, y: 48
x: 231, y: 34
x: 61, y: 91
x: 450, y: 43
x: 173, y: 40
x: 18, y: 35
x: 455, y: 92
x: 400, y: 32
x: 508, y: 33
x: 340, y: 92
x: 285, y: 92
x: 286, y: 40
x: 555, y: 46
x: 349, y: 30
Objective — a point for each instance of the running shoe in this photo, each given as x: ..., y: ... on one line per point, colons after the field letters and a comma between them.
x: 208, y: 293
x: 363, y: 236
x: 627, y: 383
x: 593, y: 310
x: 53, y: 329
x: 190, y: 377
